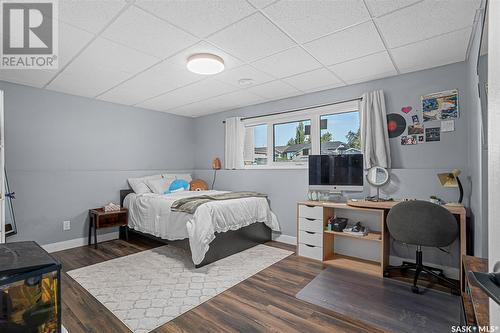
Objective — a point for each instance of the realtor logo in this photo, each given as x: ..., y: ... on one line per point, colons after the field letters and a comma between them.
x: 29, y: 34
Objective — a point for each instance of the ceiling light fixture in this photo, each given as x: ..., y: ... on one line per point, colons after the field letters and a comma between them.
x: 205, y: 64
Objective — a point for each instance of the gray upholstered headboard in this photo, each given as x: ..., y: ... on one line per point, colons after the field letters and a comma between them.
x: 123, y: 194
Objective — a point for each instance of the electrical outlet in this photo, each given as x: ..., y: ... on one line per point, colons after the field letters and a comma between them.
x: 66, y: 225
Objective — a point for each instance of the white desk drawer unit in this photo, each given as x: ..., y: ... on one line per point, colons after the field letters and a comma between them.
x: 311, y: 251
x: 315, y: 212
x: 310, y: 233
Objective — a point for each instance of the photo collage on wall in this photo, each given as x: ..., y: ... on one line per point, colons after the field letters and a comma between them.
x: 437, y: 115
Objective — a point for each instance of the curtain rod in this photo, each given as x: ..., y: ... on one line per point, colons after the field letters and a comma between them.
x: 301, y: 109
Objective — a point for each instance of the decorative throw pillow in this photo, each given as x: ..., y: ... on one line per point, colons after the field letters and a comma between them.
x: 177, y: 184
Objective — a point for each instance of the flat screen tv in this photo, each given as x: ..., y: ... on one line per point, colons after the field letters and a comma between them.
x: 336, y: 172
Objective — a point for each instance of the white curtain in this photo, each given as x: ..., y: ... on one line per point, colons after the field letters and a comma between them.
x: 374, y: 135
x: 235, y: 134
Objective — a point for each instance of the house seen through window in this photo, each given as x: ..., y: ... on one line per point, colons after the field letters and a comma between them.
x: 280, y: 142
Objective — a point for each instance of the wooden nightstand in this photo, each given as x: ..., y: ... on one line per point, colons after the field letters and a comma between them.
x: 98, y: 219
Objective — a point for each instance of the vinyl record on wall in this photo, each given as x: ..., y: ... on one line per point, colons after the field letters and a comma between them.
x: 396, y: 124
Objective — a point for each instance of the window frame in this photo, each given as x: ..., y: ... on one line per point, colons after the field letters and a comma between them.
x: 313, y: 114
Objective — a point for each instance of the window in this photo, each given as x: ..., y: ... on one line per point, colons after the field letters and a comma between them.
x: 292, y: 141
x: 340, y: 134
x: 286, y: 140
x: 255, y: 150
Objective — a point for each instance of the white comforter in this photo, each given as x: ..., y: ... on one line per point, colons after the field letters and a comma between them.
x: 150, y: 213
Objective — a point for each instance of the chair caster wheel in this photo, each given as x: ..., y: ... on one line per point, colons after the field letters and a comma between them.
x: 387, y: 274
x: 415, y: 290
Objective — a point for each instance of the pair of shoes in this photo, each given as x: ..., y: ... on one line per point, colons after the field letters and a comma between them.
x: 357, y: 230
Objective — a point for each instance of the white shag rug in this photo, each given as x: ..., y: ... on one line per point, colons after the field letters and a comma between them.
x: 147, y: 289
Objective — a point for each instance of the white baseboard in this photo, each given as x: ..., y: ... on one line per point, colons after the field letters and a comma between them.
x: 450, y: 272
x: 292, y: 240
x: 69, y: 244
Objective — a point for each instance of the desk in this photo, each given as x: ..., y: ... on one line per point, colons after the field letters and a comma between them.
x: 314, y: 241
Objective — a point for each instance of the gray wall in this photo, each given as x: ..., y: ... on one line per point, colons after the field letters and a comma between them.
x: 414, y: 167
x: 66, y: 154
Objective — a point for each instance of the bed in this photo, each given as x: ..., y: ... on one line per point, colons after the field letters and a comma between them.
x: 215, y: 230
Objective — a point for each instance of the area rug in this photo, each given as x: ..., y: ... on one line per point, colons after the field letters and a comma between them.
x: 147, y: 289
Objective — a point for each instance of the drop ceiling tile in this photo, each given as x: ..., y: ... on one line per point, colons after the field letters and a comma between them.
x: 86, y: 81
x: 348, y: 44
x: 30, y: 77
x: 251, y: 38
x: 438, y: 51
x: 261, y: 3
x: 305, y: 21
x: 425, y: 20
x: 313, y: 80
x: 274, y: 90
x: 287, y: 63
x: 365, y: 69
x: 188, y: 94
x: 121, y: 96
x: 321, y: 88
x: 381, y: 7
x: 195, y: 109
x: 159, y: 79
x: 71, y: 41
x: 115, y: 57
x: 199, y: 17
x: 144, y: 32
x: 243, y: 72
x: 235, y: 99
x: 90, y: 15
x: 218, y: 104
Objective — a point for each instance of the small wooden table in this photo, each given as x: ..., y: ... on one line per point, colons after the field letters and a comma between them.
x: 98, y: 219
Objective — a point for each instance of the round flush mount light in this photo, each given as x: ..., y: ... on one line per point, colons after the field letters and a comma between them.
x: 205, y: 64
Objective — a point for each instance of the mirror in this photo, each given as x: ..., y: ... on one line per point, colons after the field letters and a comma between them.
x: 377, y: 176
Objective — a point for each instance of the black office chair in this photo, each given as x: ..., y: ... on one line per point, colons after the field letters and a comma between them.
x: 422, y: 223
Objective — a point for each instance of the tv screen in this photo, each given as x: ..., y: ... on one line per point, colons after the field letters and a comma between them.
x: 336, y: 170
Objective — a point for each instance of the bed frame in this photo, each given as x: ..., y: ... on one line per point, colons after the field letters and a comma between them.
x: 224, y: 244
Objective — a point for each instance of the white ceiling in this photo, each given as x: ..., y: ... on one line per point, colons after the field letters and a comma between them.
x: 134, y: 52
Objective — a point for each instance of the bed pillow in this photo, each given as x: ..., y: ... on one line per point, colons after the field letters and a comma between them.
x: 159, y: 186
x: 139, y: 185
x: 178, y: 184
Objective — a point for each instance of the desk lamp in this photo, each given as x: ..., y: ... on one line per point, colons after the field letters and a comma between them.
x: 216, y: 165
x: 450, y: 179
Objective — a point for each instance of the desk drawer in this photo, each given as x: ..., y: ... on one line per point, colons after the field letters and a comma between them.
x: 306, y: 224
x: 315, y: 212
x: 310, y: 251
x: 311, y: 238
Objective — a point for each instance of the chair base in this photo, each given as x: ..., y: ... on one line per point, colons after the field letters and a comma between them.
x: 419, y: 267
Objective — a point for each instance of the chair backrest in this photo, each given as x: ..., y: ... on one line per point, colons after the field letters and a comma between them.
x: 422, y: 223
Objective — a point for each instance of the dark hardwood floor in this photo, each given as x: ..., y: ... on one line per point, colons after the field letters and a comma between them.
x: 263, y: 303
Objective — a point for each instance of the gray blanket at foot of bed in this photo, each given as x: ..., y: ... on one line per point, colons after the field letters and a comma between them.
x: 189, y: 205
